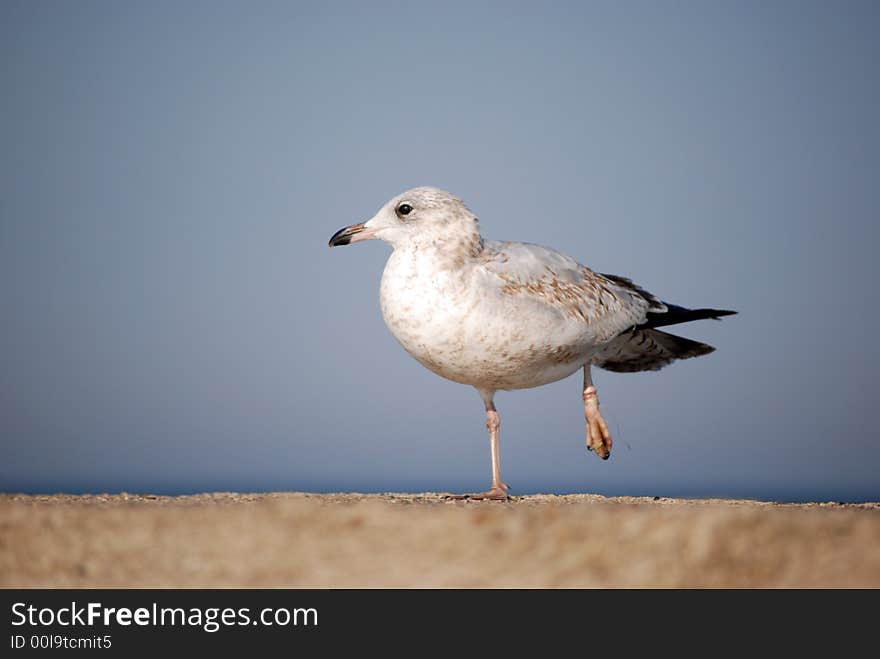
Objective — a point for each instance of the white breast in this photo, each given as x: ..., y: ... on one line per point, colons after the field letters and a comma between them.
x: 457, y: 323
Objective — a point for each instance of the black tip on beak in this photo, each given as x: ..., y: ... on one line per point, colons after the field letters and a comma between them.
x: 344, y: 235
x: 341, y: 237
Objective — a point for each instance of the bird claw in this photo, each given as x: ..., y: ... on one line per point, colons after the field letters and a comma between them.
x: 498, y: 493
x: 598, y: 436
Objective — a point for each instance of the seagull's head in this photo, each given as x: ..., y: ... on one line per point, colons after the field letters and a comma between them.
x: 418, y: 217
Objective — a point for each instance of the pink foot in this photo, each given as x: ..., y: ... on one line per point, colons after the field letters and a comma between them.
x: 598, y: 436
x: 497, y: 493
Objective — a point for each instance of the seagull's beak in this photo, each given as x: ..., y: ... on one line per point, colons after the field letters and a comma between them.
x: 353, y: 234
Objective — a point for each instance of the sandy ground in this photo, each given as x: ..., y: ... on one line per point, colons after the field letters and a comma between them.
x: 354, y: 540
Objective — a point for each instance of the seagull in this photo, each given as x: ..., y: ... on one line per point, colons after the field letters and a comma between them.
x: 510, y: 315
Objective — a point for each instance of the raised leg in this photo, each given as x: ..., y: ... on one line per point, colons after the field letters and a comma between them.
x: 598, y: 437
x: 499, y: 488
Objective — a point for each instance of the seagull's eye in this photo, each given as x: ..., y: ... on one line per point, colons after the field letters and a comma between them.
x: 404, y: 209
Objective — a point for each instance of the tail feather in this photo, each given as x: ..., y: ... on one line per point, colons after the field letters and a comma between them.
x: 646, y: 349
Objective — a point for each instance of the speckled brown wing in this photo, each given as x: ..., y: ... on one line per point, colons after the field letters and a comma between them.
x: 607, y: 304
x: 655, y: 304
x: 621, y: 315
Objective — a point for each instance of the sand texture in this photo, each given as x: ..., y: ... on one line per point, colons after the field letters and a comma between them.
x: 412, y: 540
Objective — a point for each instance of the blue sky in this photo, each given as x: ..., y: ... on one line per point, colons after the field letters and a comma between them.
x: 170, y: 173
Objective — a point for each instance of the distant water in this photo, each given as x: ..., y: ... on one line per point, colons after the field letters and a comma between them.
x: 158, y: 486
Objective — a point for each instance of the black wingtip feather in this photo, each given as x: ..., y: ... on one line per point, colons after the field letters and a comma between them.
x: 676, y: 314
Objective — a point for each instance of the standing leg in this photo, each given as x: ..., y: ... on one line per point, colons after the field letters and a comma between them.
x: 493, y: 425
x: 598, y: 437
x: 499, y: 488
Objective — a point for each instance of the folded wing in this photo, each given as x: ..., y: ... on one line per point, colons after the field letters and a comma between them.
x: 622, y: 315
